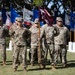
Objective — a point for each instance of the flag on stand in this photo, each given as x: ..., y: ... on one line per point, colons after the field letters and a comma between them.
x: 67, y: 20
x: 4, y: 17
x: 14, y: 14
x: 41, y: 23
x: 72, y: 21
x: 27, y: 16
x: 0, y: 14
x: 44, y: 16
x: 8, y: 21
x: 35, y: 14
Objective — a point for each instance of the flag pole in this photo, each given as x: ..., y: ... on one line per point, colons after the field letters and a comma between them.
x: 70, y: 35
x: 39, y: 49
x: 74, y: 34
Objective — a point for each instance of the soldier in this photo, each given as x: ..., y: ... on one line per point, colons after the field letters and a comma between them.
x: 3, y: 35
x: 34, y: 40
x: 21, y: 45
x: 60, y: 41
x: 49, y: 34
x: 11, y: 32
x: 44, y: 44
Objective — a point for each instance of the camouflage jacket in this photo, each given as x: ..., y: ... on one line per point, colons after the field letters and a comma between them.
x: 12, y: 30
x: 49, y: 33
x: 3, y: 34
x: 21, y: 36
x: 63, y: 35
x: 34, y: 35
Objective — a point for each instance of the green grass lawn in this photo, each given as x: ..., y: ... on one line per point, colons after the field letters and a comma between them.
x: 8, y: 69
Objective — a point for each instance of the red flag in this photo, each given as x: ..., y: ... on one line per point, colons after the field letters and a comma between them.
x: 45, y: 16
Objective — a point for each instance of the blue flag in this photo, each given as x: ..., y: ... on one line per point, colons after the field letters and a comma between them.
x: 14, y: 14
x: 41, y: 23
x: 35, y: 14
x: 4, y: 17
x: 72, y: 21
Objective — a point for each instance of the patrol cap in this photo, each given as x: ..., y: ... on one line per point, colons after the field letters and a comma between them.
x: 19, y: 19
x: 0, y: 18
x: 36, y: 20
x: 59, y: 19
x: 16, y: 18
x: 44, y: 26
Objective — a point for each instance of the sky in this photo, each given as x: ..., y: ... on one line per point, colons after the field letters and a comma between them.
x: 61, y: 9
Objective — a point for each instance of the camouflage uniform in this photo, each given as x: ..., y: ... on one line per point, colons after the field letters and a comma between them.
x: 34, y: 42
x: 21, y: 46
x: 11, y: 33
x: 3, y: 34
x: 44, y: 43
x: 49, y: 32
x: 60, y: 44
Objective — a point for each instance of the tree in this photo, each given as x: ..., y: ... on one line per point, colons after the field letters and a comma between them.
x: 67, y: 4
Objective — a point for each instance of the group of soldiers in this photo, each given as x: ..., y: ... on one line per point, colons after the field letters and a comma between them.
x: 51, y: 39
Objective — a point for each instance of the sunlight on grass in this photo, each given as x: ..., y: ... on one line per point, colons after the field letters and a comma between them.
x: 8, y: 69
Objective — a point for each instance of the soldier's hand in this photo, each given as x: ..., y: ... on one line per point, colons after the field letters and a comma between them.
x: 38, y: 39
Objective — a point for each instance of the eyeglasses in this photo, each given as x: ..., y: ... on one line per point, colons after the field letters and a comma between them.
x: 36, y: 23
x: 19, y: 21
x: 59, y: 21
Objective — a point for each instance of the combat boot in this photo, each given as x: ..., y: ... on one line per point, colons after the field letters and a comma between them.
x: 4, y: 63
x: 15, y: 69
x: 25, y: 69
x: 64, y: 65
x: 53, y: 66
x: 40, y: 66
x: 44, y: 66
x: 32, y: 64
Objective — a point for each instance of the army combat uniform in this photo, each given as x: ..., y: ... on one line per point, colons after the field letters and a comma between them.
x: 44, y: 43
x: 21, y: 46
x: 60, y: 44
x: 34, y: 42
x: 11, y: 33
x: 3, y: 35
x: 50, y: 33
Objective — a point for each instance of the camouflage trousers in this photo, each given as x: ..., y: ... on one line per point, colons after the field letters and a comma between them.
x: 51, y: 51
x: 34, y: 53
x: 62, y: 51
x: 20, y: 51
x: 13, y: 49
x: 44, y: 52
x: 45, y: 49
x: 3, y: 51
